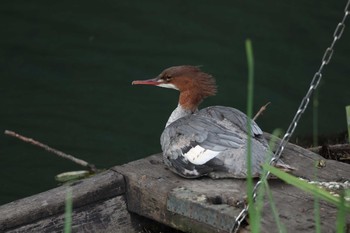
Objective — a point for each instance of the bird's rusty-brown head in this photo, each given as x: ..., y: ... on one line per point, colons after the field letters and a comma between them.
x: 194, y: 85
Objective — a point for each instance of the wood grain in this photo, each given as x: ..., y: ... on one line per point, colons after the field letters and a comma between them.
x: 115, y: 200
x: 100, y: 187
x: 206, y: 205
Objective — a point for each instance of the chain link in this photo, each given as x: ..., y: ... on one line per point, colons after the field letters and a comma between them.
x: 327, y: 56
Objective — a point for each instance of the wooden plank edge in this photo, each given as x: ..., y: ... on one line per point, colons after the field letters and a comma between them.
x: 150, y: 195
x: 23, y: 211
x: 196, y: 206
x: 103, y: 216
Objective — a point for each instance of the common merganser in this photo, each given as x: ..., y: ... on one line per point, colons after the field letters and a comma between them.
x: 207, y: 142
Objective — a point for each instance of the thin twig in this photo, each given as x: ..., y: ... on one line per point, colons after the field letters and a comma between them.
x: 262, y: 109
x: 83, y: 163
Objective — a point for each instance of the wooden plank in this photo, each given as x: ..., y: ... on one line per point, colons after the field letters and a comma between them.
x: 149, y: 185
x: 201, y: 205
x: 201, y: 210
x: 306, y: 163
x: 206, y: 205
x: 110, y: 215
x: 99, y: 187
x: 296, y: 211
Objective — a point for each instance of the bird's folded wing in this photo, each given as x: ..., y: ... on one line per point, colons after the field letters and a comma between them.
x: 199, y: 139
x: 230, y: 115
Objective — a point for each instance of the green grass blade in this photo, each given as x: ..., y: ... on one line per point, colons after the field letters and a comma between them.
x: 252, y: 210
x: 272, y: 145
x: 305, y: 186
x: 348, y: 120
x: 281, y: 228
x: 317, y: 213
x: 315, y: 104
x: 259, y: 202
x: 68, y: 211
x: 341, y: 215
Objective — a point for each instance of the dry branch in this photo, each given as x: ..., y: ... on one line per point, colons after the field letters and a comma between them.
x: 61, y: 154
x: 262, y: 109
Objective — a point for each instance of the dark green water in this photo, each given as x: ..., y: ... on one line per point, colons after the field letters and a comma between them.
x: 66, y: 70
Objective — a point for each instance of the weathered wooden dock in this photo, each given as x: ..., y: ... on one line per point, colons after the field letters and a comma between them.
x: 141, y: 193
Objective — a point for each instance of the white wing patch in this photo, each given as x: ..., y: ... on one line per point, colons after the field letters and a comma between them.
x: 194, y: 172
x: 198, y: 155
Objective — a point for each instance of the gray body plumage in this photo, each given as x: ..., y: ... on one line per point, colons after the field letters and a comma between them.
x: 220, y: 135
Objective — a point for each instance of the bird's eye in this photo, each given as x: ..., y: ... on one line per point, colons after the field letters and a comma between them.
x: 167, y: 78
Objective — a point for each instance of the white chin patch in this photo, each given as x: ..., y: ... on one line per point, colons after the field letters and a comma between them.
x: 198, y: 155
x: 168, y: 85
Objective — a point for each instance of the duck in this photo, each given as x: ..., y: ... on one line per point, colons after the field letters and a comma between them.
x: 212, y: 141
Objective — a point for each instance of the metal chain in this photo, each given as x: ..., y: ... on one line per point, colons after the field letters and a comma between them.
x: 303, y: 105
